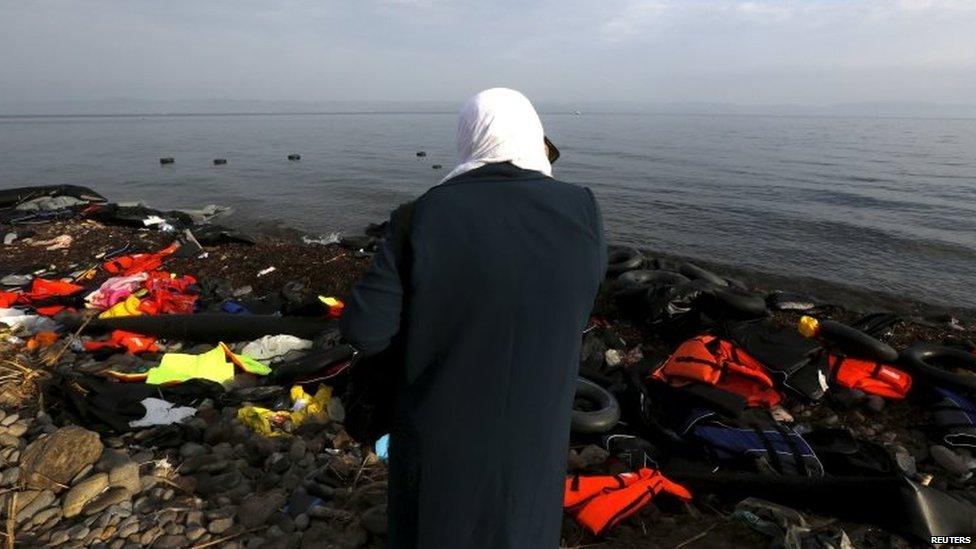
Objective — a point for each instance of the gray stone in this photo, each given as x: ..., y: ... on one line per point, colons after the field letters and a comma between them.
x: 9, y: 441
x: 374, y: 520
x: 256, y: 509
x: 40, y: 501
x: 301, y: 522
x: 192, y: 449
x: 17, y: 429
x: 170, y: 541
x: 195, y: 532
x: 208, y: 463
x: 127, y: 527
x: 874, y: 403
x: 79, y: 531
x: 593, y: 455
x: 150, y: 536
x: 54, y: 460
x: 220, y: 525
x: 8, y: 420
x: 9, y: 476
x: 105, y: 499
x: 59, y: 537
x: 126, y: 476
x: 297, y: 450
x: 80, y: 494
x: 82, y: 474
x: 45, y: 516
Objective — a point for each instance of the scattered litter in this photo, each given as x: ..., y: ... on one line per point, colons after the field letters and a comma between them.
x: 62, y: 242
x: 161, y: 412
x: 263, y: 272
x: 28, y: 324
x: 9, y: 238
x: 273, y: 348
x: 333, y: 238
x: 305, y: 407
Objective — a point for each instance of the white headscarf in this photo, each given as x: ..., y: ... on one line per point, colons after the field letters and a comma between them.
x: 500, y: 125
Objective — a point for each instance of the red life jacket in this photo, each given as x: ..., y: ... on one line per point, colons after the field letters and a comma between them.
x: 874, y: 378
x: 601, y: 502
x: 167, y: 295
x: 713, y: 361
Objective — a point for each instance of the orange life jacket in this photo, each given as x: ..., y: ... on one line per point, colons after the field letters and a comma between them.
x: 601, y: 502
x: 138, y: 263
x: 874, y: 378
x: 121, y: 339
x: 708, y: 359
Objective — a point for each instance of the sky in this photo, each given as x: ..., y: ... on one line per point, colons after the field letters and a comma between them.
x: 813, y: 52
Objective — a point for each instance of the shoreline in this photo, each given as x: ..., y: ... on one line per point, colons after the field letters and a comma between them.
x: 317, y: 484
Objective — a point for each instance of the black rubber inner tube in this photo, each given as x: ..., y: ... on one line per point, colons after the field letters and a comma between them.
x: 623, y: 259
x: 695, y: 272
x: 604, y: 416
x: 933, y: 361
x: 856, y: 343
x: 207, y: 327
x: 645, y: 277
x: 738, y: 304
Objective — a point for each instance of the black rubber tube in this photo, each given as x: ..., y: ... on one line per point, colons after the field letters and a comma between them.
x: 641, y: 277
x: 695, y: 272
x: 217, y: 327
x: 856, y: 343
x: 598, y: 421
x: 931, y: 361
x: 740, y: 304
x: 623, y: 259
x: 12, y: 197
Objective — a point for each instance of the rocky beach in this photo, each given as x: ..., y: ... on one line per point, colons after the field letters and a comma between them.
x: 212, y: 479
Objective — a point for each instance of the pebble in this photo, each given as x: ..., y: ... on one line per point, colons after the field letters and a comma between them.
x: 17, y: 429
x: 126, y: 476
x: 79, y: 531
x: 169, y: 541
x: 9, y: 441
x: 781, y: 414
x: 82, y: 493
x: 45, y: 515
x: 195, y: 532
x: 301, y: 522
x: 220, y: 525
x: 40, y: 501
x: 106, y: 498
x: 874, y: 403
x: 8, y: 420
x: 9, y: 476
x: 192, y: 449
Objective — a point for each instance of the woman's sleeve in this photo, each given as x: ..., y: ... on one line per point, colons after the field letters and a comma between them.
x: 371, y: 317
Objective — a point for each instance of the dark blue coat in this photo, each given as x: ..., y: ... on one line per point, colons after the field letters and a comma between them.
x: 505, y: 266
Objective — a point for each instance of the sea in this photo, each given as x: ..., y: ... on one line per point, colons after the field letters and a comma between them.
x: 882, y: 204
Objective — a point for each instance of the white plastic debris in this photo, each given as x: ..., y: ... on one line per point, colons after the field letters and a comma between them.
x: 161, y: 412
x: 612, y: 358
x: 269, y: 270
x: 19, y: 321
x: 333, y: 238
x: 272, y: 348
x: 9, y: 238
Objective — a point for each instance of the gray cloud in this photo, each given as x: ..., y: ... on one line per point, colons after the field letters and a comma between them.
x: 790, y: 51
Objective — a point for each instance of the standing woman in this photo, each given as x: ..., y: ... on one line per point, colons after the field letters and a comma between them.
x: 487, y: 283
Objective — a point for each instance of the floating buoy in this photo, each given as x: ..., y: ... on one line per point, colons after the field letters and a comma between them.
x: 219, y: 161
x: 294, y: 156
x: 421, y: 154
x: 167, y: 160
x: 437, y: 166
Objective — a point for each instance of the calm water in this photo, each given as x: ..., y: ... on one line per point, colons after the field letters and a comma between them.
x: 887, y: 204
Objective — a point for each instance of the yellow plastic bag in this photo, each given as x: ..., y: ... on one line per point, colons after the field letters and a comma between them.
x: 272, y: 423
x: 128, y: 307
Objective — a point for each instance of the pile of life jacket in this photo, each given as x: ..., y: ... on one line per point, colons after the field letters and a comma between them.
x: 43, y: 296
x: 600, y: 502
x: 720, y: 363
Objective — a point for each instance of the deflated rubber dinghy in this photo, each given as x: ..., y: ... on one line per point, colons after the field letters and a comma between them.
x: 12, y: 197
x: 210, y: 327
